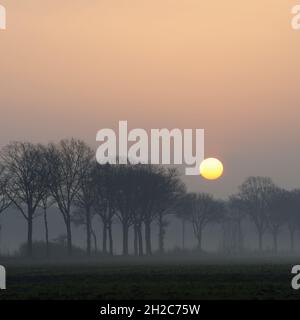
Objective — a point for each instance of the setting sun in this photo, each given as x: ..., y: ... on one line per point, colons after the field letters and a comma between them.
x: 211, y: 168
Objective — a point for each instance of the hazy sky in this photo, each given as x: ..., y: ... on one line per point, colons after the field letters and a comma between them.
x: 72, y: 67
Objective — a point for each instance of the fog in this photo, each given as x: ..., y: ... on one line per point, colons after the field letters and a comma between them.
x: 14, y: 233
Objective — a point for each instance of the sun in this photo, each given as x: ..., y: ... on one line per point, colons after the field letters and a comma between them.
x: 211, y: 169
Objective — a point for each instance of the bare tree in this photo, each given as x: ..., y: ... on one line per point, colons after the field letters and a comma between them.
x: 183, y: 213
x: 254, y: 194
x: 145, y: 197
x: 278, y: 202
x: 143, y: 208
x: 85, y: 198
x: 67, y: 161
x: 152, y: 201
x: 26, y: 176
x: 293, y: 215
x: 233, y: 238
x: 125, y: 199
x: 80, y: 218
x: 204, y: 210
x: 5, y: 202
x: 169, y: 190
x: 105, y: 202
x: 46, y: 202
x: 94, y: 236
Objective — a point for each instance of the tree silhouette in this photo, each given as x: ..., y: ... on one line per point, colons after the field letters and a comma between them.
x: 157, y: 190
x: 254, y: 194
x: 183, y: 213
x: 46, y: 202
x: 278, y: 202
x: 26, y: 176
x: 293, y: 215
x: 126, y: 199
x: 5, y: 202
x: 105, y: 201
x: 204, y: 210
x: 168, y: 192
x: 67, y: 161
x: 85, y: 197
x: 232, y: 224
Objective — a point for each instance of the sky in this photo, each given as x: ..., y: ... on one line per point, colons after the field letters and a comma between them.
x: 70, y: 68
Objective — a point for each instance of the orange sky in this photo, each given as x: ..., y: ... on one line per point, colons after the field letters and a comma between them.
x: 72, y: 67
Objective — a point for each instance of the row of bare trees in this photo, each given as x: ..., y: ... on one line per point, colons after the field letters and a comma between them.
x: 66, y: 175
x: 34, y: 177
x: 268, y: 207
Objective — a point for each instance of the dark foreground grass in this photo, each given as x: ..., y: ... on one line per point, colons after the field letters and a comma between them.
x: 150, y: 281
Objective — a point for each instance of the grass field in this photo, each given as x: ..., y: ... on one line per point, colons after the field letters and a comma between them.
x: 145, y: 280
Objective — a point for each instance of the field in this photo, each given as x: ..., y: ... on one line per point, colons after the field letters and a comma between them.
x: 149, y: 280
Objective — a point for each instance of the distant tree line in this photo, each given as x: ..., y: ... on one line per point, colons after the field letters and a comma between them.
x: 35, y: 177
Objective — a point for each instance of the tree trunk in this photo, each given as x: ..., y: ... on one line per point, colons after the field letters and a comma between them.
x: 275, y: 241
x: 260, y: 240
x: 110, y: 238
x: 140, y: 239
x: 148, y: 238
x: 95, y: 241
x: 125, y: 238
x: 135, y: 240
x: 46, y: 232
x: 69, y: 236
x: 29, y: 235
x: 161, y: 233
x: 183, y: 234
x: 199, y: 238
x: 88, y: 232
x: 104, y: 238
x: 240, y: 237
